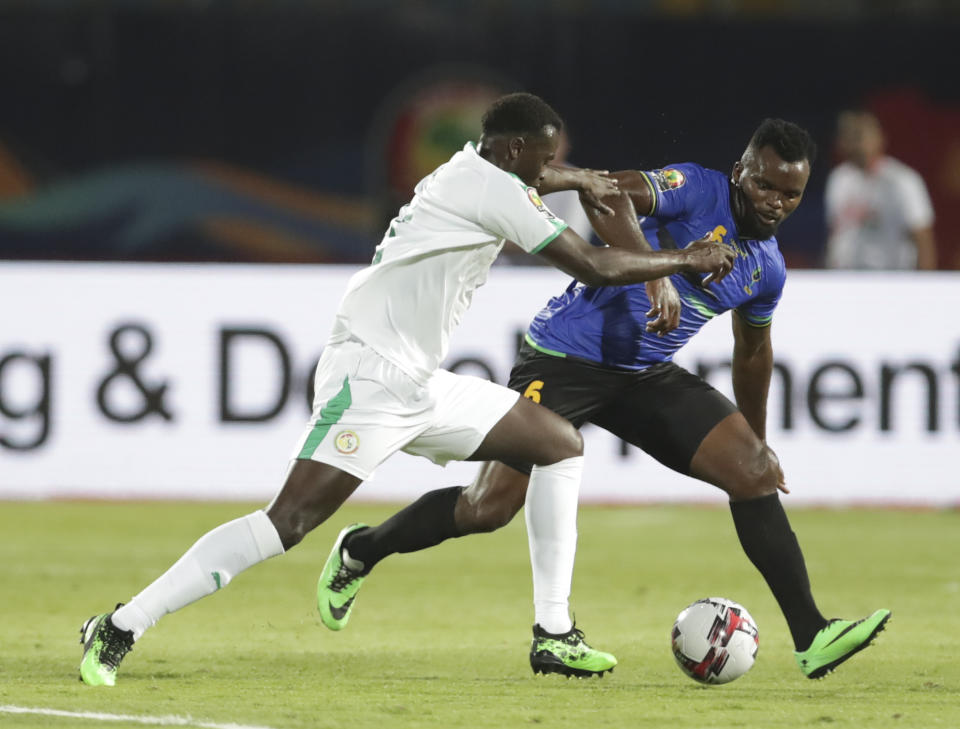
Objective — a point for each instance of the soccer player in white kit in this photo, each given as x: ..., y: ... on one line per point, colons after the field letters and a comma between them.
x: 380, y: 389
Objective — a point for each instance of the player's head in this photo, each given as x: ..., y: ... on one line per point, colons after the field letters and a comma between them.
x: 521, y: 133
x: 769, y: 180
x: 859, y: 137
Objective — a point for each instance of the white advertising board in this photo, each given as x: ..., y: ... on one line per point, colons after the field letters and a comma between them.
x: 172, y: 381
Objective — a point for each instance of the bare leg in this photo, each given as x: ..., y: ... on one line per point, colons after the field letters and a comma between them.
x: 733, y: 458
x: 493, y: 499
x: 528, y: 433
x: 310, y: 494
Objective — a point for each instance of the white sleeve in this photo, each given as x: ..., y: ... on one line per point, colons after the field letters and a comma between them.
x: 917, y: 208
x: 565, y: 204
x: 511, y: 210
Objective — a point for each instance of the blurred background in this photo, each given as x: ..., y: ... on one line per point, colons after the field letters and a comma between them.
x: 164, y: 162
x: 290, y: 130
x: 144, y: 142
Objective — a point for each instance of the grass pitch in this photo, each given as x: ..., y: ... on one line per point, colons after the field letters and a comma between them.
x: 440, y: 638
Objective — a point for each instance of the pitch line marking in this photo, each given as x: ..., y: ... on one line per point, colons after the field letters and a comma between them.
x: 169, y: 720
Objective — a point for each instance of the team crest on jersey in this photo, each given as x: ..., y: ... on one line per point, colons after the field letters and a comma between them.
x: 669, y: 179
x: 346, y: 442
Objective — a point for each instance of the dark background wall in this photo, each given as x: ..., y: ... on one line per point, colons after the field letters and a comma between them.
x: 256, y: 131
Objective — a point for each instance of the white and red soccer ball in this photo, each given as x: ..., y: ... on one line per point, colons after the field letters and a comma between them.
x: 715, y: 640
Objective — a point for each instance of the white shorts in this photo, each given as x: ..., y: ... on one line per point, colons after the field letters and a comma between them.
x: 366, y: 409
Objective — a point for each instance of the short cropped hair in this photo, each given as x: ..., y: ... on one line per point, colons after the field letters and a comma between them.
x: 792, y: 142
x: 520, y: 114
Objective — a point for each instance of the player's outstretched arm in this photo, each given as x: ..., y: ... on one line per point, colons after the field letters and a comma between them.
x: 619, y: 266
x: 622, y: 230
x: 629, y: 258
x: 635, y: 194
x: 634, y: 184
x: 593, y: 185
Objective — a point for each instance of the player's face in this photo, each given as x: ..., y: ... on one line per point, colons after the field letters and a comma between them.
x: 768, y: 190
x: 534, y: 155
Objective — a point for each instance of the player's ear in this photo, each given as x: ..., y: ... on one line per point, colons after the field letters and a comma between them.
x: 737, y: 171
x: 515, y: 147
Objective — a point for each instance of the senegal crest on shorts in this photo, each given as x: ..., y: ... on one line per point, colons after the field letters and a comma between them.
x: 669, y: 179
x: 346, y: 442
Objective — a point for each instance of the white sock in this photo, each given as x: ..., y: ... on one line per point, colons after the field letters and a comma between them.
x: 551, y: 515
x: 216, y: 558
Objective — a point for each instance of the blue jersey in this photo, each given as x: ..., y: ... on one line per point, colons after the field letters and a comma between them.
x: 608, y: 325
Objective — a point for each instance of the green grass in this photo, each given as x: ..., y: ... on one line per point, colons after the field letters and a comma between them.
x: 440, y: 638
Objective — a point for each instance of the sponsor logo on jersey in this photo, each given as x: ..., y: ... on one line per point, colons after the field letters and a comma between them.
x: 346, y: 442
x: 754, y: 279
x: 535, y: 199
x: 669, y: 179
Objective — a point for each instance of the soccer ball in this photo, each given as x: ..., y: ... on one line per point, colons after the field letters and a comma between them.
x: 715, y: 640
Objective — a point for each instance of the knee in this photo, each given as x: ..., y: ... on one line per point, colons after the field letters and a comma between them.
x: 758, y: 477
x: 576, y: 442
x: 568, y: 444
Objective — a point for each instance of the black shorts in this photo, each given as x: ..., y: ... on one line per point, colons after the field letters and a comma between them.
x: 663, y: 410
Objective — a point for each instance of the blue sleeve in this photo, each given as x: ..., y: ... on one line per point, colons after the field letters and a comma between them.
x: 758, y: 311
x: 676, y: 190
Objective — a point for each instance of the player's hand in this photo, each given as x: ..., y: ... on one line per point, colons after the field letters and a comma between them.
x: 664, y: 306
x: 594, y: 185
x: 775, y: 462
x: 707, y: 256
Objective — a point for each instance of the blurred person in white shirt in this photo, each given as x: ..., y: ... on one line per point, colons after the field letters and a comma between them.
x: 878, y: 210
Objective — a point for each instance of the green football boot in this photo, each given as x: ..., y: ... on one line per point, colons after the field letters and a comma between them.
x: 338, y: 585
x: 568, y: 654
x: 838, y: 641
x: 104, y: 646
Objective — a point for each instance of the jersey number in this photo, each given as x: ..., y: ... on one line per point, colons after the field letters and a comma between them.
x: 533, y: 390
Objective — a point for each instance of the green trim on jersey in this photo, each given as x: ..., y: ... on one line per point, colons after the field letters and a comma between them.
x: 653, y: 193
x: 560, y: 227
x: 700, y: 306
x: 551, y: 352
x: 329, y: 415
x: 759, y: 323
x: 517, y: 178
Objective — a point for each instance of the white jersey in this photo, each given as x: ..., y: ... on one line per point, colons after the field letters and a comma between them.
x: 436, y: 252
x: 871, y: 214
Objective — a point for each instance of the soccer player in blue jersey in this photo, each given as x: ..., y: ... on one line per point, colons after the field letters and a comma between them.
x: 594, y: 355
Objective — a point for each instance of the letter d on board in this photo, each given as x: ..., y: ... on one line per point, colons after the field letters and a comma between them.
x: 232, y: 343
